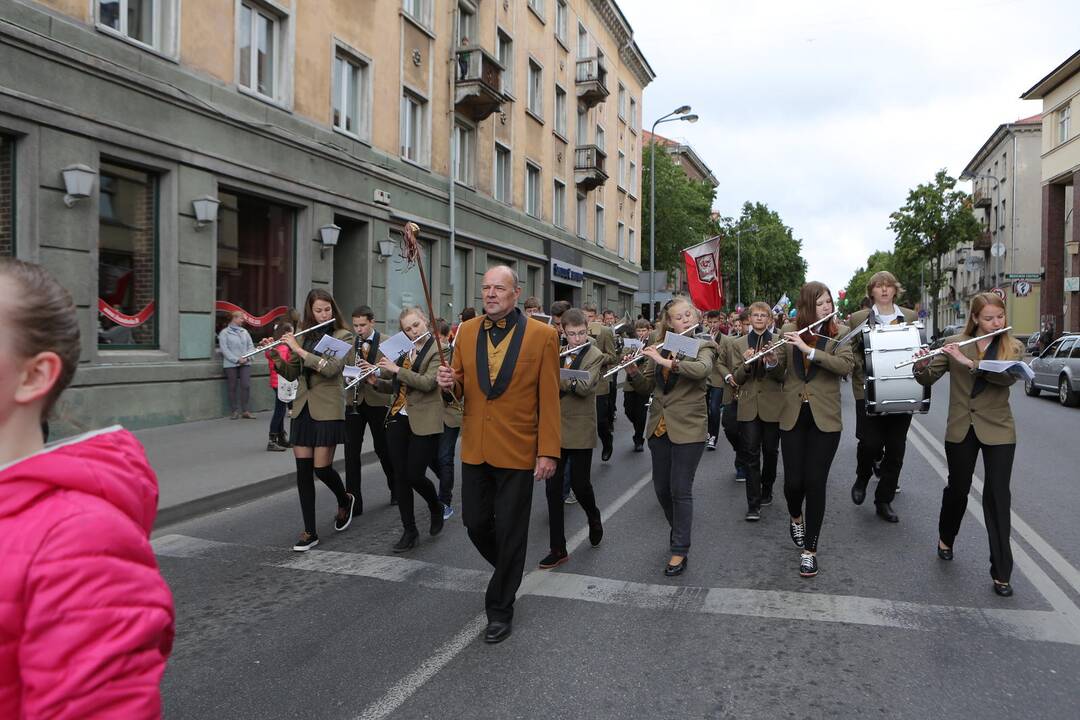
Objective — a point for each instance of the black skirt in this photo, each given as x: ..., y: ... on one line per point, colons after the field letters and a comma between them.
x: 307, y: 432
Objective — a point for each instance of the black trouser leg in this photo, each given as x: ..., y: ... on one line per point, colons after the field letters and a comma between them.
x: 579, y: 463
x: 892, y: 455
x: 750, y: 437
x: 997, y: 506
x: 411, y: 454
x: 634, y: 406
x: 960, y: 458
x: 613, y: 401
x: 770, y: 451
x: 808, y: 455
x: 375, y: 418
x: 603, y: 422
x: 729, y: 421
x: 443, y: 464
x: 867, y: 451
x: 714, y: 402
x: 495, y: 509
x: 354, y: 447
x: 305, y: 488
x: 553, y: 493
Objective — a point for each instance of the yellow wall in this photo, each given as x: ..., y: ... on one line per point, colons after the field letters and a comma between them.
x: 76, y: 9
x: 207, y: 37
x: 1061, y: 158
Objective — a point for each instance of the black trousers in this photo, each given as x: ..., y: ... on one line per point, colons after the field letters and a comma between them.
x: 613, y: 399
x: 808, y: 455
x: 714, y: 403
x: 603, y: 421
x: 634, y: 407
x: 365, y: 416
x: 673, y: 467
x: 997, y: 498
x: 884, y: 438
x: 759, y: 447
x: 580, y: 464
x: 729, y: 421
x: 411, y: 455
x: 495, y: 504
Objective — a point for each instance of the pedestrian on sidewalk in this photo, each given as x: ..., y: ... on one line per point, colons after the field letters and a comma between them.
x: 506, y: 371
x: 284, y: 393
x: 86, y: 620
x: 318, y: 425
x: 233, y: 342
x: 414, y: 423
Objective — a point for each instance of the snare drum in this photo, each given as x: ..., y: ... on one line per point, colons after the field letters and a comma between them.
x: 891, y: 391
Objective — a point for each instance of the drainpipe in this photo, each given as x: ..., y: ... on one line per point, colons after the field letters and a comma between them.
x: 452, y: 219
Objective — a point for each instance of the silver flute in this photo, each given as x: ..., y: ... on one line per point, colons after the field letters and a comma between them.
x: 783, y: 341
x: 918, y: 358
x: 568, y: 351
x: 364, y: 373
x: 258, y: 350
x: 641, y: 355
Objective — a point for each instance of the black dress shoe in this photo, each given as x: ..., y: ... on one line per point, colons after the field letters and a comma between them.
x: 436, y: 519
x: 858, y: 493
x: 944, y: 553
x: 1003, y: 589
x: 596, y: 532
x: 407, y: 542
x: 885, y: 512
x: 606, y: 455
x: 497, y: 631
x: 639, y: 447
x: 554, y: 559
x: 673, y: 570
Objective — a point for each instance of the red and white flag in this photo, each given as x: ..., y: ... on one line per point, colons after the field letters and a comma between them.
x: 703, y: 274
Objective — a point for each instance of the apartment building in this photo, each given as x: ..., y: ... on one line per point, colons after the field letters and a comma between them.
x: 1059, y: 305
x: 171, y: 161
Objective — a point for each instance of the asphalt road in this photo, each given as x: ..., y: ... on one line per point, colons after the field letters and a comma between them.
x: 350, y: 630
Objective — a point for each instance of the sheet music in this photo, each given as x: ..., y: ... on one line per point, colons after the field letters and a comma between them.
x: 351, y: 371
x: 1019, y: 368
x: 633, y: 344
x: 675, y: 344
x: 396, y: 345
x: 568, y: 374
x: 330, y: 347
x: 546, y: 319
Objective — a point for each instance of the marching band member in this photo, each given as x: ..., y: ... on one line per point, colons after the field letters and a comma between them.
x: 810, y: 419
x: 414, y: 423
x: 604, y: 339
x: 634, y: 404
x: 980, y: 419
x: 443, y: 463
x: 727, y: 360
x: 366, y: 408
x: 881, y: 437
x: 714, y: 388
x: 676, y: 426
x: 758, y: 413
x: 318, y: 425
x: 533, y: 306
x: 578, y: 410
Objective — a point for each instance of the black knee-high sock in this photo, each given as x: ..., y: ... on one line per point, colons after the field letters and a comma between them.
x: 332, y: 480
x: 305, y: 486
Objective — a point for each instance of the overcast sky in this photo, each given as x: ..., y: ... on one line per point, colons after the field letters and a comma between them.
x: 830, y: 112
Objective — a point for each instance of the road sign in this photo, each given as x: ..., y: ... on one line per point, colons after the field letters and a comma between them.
x: 1021, y: 288
x: 1024, y: 276
x: 999, y: 292
x: 998, y: 249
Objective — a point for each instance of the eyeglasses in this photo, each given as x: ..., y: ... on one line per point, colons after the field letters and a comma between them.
x: 576, y: 333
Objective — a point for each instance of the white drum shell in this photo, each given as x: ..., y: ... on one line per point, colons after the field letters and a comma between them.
x: 890, y: 390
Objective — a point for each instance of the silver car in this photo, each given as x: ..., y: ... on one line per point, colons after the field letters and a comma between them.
x: 1057, y: 370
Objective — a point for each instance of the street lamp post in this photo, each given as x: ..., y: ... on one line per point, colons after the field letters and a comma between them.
x: 678, y: 114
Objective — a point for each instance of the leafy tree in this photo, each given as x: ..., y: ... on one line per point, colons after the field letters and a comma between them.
x: 935, y: 219
x: 771, y: 256
x: 684, y: 211
x: 856, y: 287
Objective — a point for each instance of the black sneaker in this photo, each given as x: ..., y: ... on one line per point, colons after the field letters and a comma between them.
x: 766, y: 499
x: 753, y: 515
x: 798, y: 534
x: 554, y: 559
x: 808, y: 565
x: 306, y: 542
x: 437, y: 519
x: 344, y: 514
x: 596, y: 532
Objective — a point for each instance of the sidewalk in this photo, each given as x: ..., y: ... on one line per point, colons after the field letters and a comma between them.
x: 208, y: 465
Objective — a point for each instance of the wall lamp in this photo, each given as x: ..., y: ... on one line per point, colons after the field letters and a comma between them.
x: 205, y: 208
x: 78, y: 182
x: 328, y: 237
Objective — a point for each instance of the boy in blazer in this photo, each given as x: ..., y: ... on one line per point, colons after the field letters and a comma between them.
x: 365, y: 407
x: 604, y: 339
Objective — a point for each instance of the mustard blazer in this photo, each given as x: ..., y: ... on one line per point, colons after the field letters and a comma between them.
x: 423, y: 398
x: 858, y: 375
x: 682, y: 401
x: 821, y: 387
x: 578, y: 401
x: 324, y: 393
x: 759, y: 397
x: 363, y: 393
x: 988, y: 412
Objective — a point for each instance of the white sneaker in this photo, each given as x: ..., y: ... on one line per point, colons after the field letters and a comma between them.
x: 710, y: 444
x: 306, y: 542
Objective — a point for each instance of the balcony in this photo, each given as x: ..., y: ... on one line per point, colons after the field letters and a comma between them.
x: 589, y: 167
x: 981, y: 196
x: 948, y: 262
x: 983, y: 241
x: 591, y: 82
x: 479, y: 83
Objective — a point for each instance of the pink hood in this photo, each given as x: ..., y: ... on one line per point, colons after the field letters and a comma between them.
x: 86, y: 621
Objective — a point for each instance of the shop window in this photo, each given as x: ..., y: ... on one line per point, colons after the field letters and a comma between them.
x: 403, y: 286
x: 7, y: 197
x: 255, y: 260
x: 127, y: 258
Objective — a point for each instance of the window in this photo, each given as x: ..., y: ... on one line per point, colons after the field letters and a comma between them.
x: 418, y: 10
x: 1063, y: 124
x: 560, y: 111
x: 7, y: 197
x: 620, y: 239
x: 534, y: 285
x: 504, y: 50
x: 537, y: 6
x: 600, y: 137
x: 536, y: 89
x: 414, y: 128
x: 502, y: 173
x: 581, y: 137
x: 147, y: 22
x: 600, y: 225
x: 632, y: 118
x: 582, y: 42
x: 621, y: 177
x: 558, y: 204
x: 351, y: 102
x: 405, y: 289
x: 633, y: 178
x: 532, y: 190
x: 465, y: 152
x: 582, y: 216
x: 622, y: 101
x: 630, y: 245
x: 466, y: 28
x: 259, y: 45
x: 561, y: 13
x: 460, y: 289
x: 1075, y: 351
x: 1064, y: 348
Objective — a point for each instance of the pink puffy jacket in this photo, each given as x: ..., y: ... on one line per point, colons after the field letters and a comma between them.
x: 86, y: 620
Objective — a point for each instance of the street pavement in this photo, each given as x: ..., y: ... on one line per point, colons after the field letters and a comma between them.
x: 350, y: 630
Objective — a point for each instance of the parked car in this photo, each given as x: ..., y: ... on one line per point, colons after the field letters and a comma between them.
x: 1057, y: 369
x: 1032, y: 344
x: 947, y: 331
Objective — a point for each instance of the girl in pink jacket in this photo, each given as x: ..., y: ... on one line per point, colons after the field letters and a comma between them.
x: 86, y: 620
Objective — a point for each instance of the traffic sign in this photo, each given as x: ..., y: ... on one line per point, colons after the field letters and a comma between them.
x: 999, y: 292
x: 998, y: 249
x: 1021, y: 288
x: 1024, y: 276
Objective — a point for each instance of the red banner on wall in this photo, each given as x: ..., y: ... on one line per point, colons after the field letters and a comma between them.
x: 249, y: 319
x: 128, y: 321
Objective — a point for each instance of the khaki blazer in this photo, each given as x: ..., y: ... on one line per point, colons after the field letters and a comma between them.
x: 858, y: 375
x: 451, y: 411
x: 759, y: 397
x: 324, y: 393
x: 821, y: 388
x: 682, y: 404
x: 725, y: 364
x: 364, y: 393
x: 423, y: 398
x: 604, y: 340
x: 517, y: 419
x: 578, y: 402
x: 989, y: 411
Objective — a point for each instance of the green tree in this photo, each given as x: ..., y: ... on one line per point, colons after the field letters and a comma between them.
x: 934, y: 220
x: 771, y: 256
x: 684, y: 211
x: 856, y: 287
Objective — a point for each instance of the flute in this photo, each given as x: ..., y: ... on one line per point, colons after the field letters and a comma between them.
x: 940, y: 350
x: 640, y: 355
x: 258, y: 350
x: 373, y: 368
x: 569, y: 351
x: 782, y: 341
